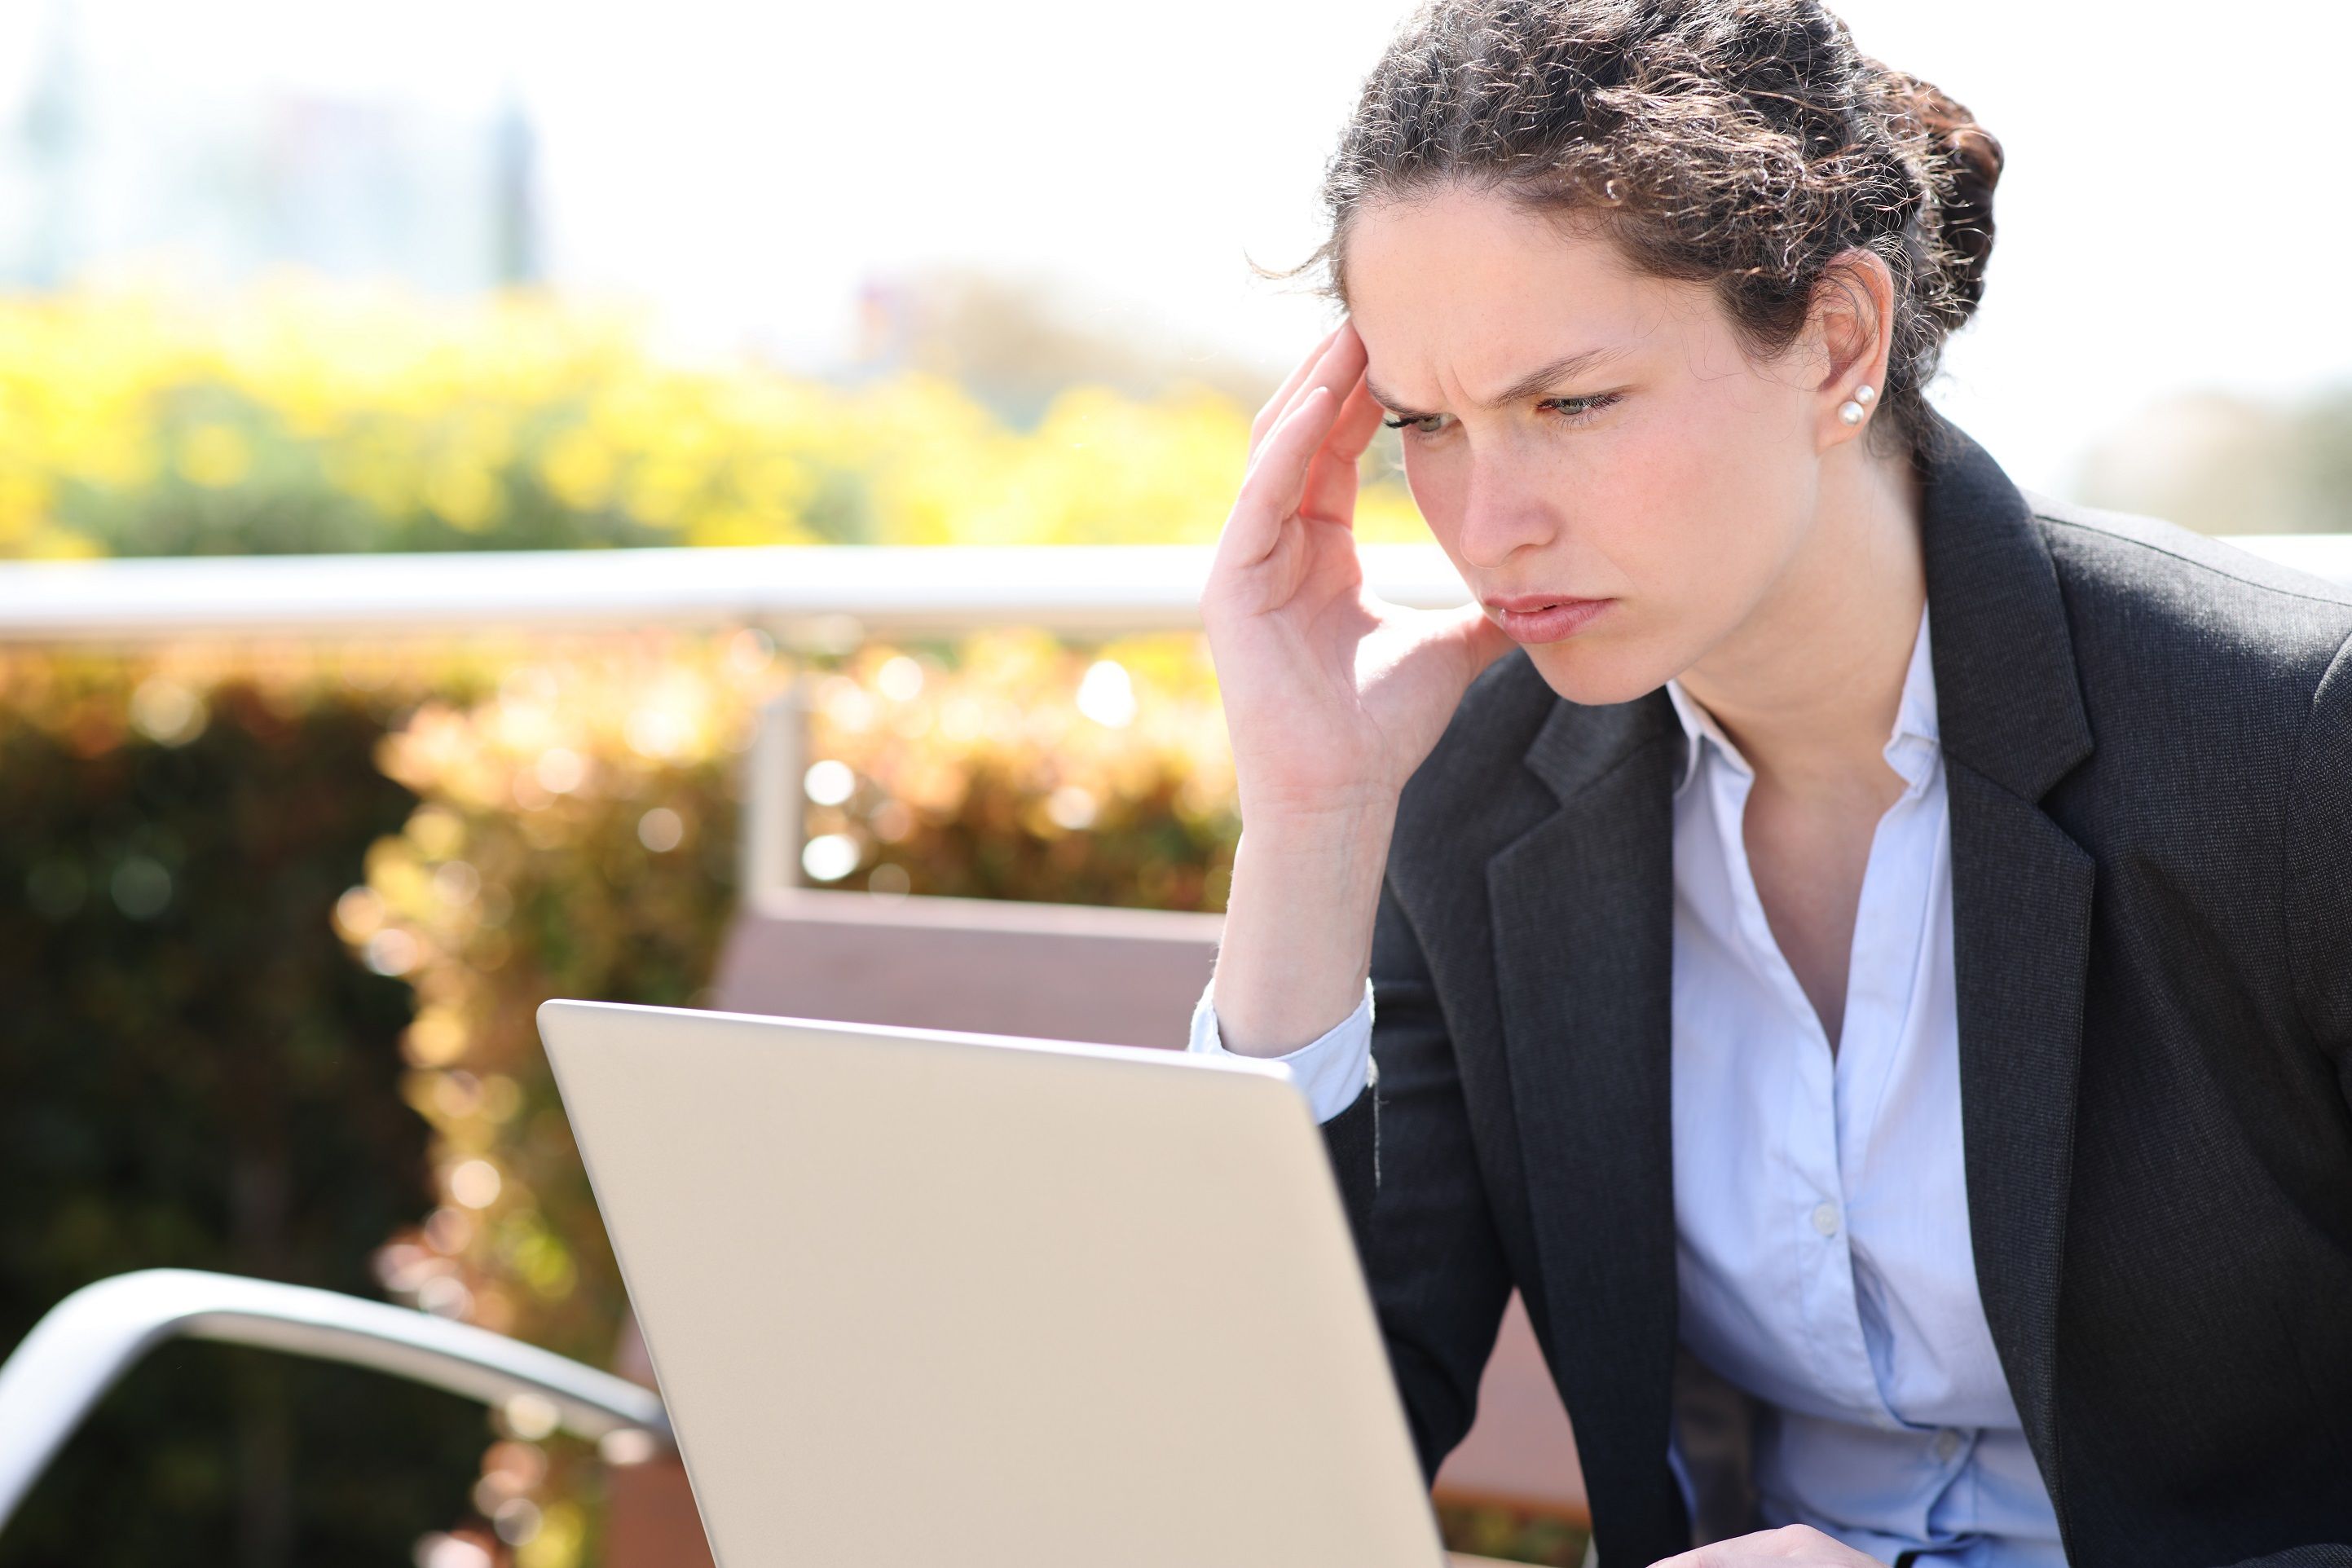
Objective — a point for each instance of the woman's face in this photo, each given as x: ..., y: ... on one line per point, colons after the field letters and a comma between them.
x: 1672, y: 478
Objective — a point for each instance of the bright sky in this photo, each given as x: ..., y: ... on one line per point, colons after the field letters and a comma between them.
x: 2168, y: 219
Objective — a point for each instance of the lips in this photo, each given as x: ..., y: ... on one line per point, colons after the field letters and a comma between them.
x: 1533, y: 618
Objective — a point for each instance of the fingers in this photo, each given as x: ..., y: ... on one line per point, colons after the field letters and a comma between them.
x: 1331, y: 491
x: 1274, y: 405
x: 1320, y: 421
x: 1797, y: 1543
x: 1271, y: 490
x: 1337, y: 367
x: 1358, y: 418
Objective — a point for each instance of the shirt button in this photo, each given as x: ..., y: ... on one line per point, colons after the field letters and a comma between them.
x: 1825, y: 1218
x: 1947, y: 1443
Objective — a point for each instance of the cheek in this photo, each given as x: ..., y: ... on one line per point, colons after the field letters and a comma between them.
x: 1688, y: 505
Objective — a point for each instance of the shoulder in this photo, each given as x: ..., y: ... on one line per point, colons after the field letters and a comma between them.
x: 2143, y: 588
x: 2222, y: 675
x: 2190, y: 651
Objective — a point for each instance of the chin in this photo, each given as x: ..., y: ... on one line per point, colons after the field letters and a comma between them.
x: 1594, y: 674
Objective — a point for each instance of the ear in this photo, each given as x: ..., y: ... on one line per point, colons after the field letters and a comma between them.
x: 1852, y: 326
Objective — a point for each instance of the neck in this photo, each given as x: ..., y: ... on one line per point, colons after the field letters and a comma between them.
x: 1808, y: 686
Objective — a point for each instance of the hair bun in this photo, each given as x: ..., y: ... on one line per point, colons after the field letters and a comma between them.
x: 1967, y: 160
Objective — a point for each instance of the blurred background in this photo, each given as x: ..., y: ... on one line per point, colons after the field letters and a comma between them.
x: 278, y: 898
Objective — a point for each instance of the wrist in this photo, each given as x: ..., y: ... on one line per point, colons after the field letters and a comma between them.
x: 1298, y: 938
x: 1321, y: 824
x: 1333, y: 863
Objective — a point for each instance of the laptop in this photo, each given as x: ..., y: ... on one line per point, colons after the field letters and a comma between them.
x: 921, y: 1297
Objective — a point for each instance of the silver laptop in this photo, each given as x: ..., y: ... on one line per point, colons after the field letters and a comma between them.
x: 922, y: 1297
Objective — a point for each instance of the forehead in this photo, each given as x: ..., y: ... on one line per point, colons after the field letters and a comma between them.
x: 1464, y: 288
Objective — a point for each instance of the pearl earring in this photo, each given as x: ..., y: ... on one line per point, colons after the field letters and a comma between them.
x: 1852, y: 408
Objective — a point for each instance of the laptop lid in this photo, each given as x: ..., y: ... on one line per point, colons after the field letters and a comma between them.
x: 924, y: 1297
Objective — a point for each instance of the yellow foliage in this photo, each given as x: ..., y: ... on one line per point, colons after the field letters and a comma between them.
x: 460, y: 416
x: 214, y: 456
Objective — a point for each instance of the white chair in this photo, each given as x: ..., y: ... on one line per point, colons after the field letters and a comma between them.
x: 87, y: 1342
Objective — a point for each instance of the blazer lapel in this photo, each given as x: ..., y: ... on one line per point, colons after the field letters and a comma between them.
x: 1582, y: 913
x: 2022, y: 933
x: 2010, y: 712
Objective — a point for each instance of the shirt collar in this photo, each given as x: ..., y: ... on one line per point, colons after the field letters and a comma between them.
x: 1910, y: 748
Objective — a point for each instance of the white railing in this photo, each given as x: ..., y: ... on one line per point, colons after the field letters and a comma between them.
x: 810, y: 597
x: 806, y: 593
x: 821, y: 595
x: 818, y: 598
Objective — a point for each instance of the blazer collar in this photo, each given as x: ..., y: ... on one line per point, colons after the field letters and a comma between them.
x: 1577, y: 745
x: 2006, y: 691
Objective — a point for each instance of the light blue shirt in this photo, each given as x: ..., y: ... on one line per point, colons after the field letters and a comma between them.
x: 1821, y: 1213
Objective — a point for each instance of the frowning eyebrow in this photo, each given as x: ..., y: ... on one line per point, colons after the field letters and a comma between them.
x: 1527, y: 385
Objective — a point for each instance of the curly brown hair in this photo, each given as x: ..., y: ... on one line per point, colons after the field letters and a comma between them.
x: 1743, y: 143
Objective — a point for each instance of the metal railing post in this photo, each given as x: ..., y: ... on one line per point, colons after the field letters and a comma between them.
x: 772, y: 807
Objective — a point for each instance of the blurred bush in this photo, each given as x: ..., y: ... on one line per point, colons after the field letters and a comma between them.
x: 574, y: 837
x: 1015, y: 766
x: 1512, y: 1535
x: 300, y: 912
x: 195, y: 1074
x: 309, y: 419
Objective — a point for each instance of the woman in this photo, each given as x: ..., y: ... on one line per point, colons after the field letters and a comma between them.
x: 1836, y: 922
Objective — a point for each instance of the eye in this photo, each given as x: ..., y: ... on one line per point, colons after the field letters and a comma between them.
x: 1587, y: 407
x: 1566, y: 410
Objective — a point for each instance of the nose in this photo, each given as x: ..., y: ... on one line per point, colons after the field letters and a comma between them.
x: 1504, y: 511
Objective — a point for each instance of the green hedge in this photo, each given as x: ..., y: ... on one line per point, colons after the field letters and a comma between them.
x: 193, y: 1072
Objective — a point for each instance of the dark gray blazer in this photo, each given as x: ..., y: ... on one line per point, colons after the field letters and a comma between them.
x: 2148, y: 744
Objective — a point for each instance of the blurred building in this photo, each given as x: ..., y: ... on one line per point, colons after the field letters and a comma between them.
x: 98, y: 173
